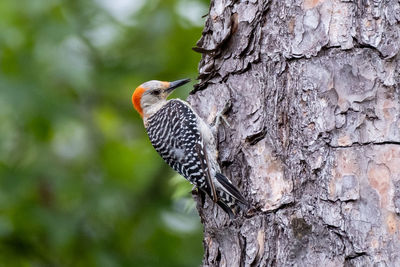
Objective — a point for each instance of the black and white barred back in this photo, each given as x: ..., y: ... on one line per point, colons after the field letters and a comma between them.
x: 174, y: 134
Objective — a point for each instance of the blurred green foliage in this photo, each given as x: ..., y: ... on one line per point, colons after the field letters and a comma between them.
x: 80, y: 184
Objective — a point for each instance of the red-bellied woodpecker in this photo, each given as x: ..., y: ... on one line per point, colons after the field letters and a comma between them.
x: 185, y: 142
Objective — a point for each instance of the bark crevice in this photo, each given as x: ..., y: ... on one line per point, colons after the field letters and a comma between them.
x: 315, y: 131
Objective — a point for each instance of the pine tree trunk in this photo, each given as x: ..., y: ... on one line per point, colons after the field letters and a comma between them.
x: 314, y: 136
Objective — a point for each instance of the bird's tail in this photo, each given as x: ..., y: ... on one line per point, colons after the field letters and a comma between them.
x: 229, y: 197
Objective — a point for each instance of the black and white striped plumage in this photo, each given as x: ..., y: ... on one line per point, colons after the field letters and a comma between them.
x: 185, y: 141
x: 176, y: 134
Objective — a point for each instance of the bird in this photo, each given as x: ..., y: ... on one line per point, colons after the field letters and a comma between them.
x: 185, y: 142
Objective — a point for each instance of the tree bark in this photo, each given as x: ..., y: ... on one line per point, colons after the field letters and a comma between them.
x: 314, y: 136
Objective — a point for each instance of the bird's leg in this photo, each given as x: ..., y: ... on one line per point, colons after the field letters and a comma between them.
x: 221, y: 115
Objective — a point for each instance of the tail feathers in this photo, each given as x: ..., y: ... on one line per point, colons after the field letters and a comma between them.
x: 230, y: 188
x: 230, y: 200
x: 226, y: 209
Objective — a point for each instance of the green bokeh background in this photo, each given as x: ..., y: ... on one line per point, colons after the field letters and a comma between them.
x: 80, y: 184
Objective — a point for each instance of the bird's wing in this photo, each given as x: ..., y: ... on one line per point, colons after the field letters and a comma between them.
x: 204, y: 166
x: 173, y: 132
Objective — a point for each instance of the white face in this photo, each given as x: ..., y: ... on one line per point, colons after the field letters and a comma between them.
x: 154, y: 97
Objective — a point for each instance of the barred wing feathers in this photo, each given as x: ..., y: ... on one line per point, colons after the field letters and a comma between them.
x: 174, y: 134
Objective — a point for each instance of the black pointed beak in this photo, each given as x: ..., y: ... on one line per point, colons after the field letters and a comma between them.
x: 176, y: 84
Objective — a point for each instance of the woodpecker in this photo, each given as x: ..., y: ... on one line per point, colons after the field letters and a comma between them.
x: 185, y: 142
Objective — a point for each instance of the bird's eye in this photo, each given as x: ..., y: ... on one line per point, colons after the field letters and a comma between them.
x: 156, y: 92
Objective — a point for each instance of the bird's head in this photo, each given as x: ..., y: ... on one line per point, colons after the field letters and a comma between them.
x: 150, y: 96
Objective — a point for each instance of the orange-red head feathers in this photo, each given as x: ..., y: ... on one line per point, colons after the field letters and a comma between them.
x: 151, y: 95
x: 136, y: 96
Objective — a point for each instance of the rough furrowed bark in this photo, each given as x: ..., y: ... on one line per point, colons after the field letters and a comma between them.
x: 314, y: 136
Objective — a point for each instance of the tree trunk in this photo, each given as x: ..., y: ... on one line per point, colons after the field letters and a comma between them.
x: 314, y: 136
